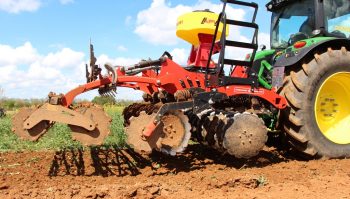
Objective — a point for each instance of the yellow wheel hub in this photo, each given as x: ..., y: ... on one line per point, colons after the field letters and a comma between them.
x: 332, y: 108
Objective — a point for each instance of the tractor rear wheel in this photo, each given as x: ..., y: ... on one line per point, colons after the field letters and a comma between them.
x: 317, y: 120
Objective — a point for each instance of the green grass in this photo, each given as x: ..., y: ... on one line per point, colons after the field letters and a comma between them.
x: 59, y: 135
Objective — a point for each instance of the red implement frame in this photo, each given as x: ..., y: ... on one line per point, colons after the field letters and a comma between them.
x: 171, y: 78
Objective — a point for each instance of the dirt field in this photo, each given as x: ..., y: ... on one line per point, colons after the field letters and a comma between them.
x: 199, y: 173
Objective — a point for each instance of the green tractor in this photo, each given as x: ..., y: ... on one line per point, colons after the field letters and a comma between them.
x: 310, y: 65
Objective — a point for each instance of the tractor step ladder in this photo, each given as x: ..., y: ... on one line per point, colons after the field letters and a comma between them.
x: 252, y: 80
x: 224, y: 42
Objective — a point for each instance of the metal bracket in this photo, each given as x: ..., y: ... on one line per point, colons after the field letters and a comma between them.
x: 58, y: 113
x: 205, y: 100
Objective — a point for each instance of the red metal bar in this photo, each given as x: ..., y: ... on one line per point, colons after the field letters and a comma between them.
x: 269, y: 95
x: 69, y: 97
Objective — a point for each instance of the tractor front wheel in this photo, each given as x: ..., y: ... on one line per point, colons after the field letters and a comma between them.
x: 317, y: 120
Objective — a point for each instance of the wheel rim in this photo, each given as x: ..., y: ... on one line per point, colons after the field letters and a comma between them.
x: 332, y: 108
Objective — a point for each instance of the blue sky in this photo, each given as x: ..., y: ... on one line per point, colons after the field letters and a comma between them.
x: 44, y: 43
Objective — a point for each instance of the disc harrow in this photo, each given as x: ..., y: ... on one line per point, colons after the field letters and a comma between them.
x: 200, y: 100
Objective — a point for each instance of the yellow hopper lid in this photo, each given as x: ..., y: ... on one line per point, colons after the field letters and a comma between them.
x: 191, y: 24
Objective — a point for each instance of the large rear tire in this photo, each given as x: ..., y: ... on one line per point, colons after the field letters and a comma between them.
x: 317, y: 120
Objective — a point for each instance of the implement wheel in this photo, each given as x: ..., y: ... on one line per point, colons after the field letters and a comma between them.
x: 318, y: 117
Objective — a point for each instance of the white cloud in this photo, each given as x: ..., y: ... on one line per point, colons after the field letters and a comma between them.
x: 24, y: 54
x: 180, y: 55
x: 157, y: 24
x: 26, y: 73
x: 119, y: 61
x: 65, y: 58
x: 122, y: 48
x: 17, y: 6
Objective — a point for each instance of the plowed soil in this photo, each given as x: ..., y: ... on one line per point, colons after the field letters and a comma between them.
x: 198, y: 173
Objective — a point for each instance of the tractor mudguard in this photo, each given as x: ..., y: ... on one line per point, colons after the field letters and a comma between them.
x: 289, y: 57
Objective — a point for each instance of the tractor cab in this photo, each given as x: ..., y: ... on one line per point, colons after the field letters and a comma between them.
x: 293, y: 21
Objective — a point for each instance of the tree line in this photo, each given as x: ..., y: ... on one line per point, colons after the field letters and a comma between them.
x: 14, y: 104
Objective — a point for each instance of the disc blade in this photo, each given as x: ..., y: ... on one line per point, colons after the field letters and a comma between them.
x: 134, y: 134
x: 32, y: 134
x: 176, y: 132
